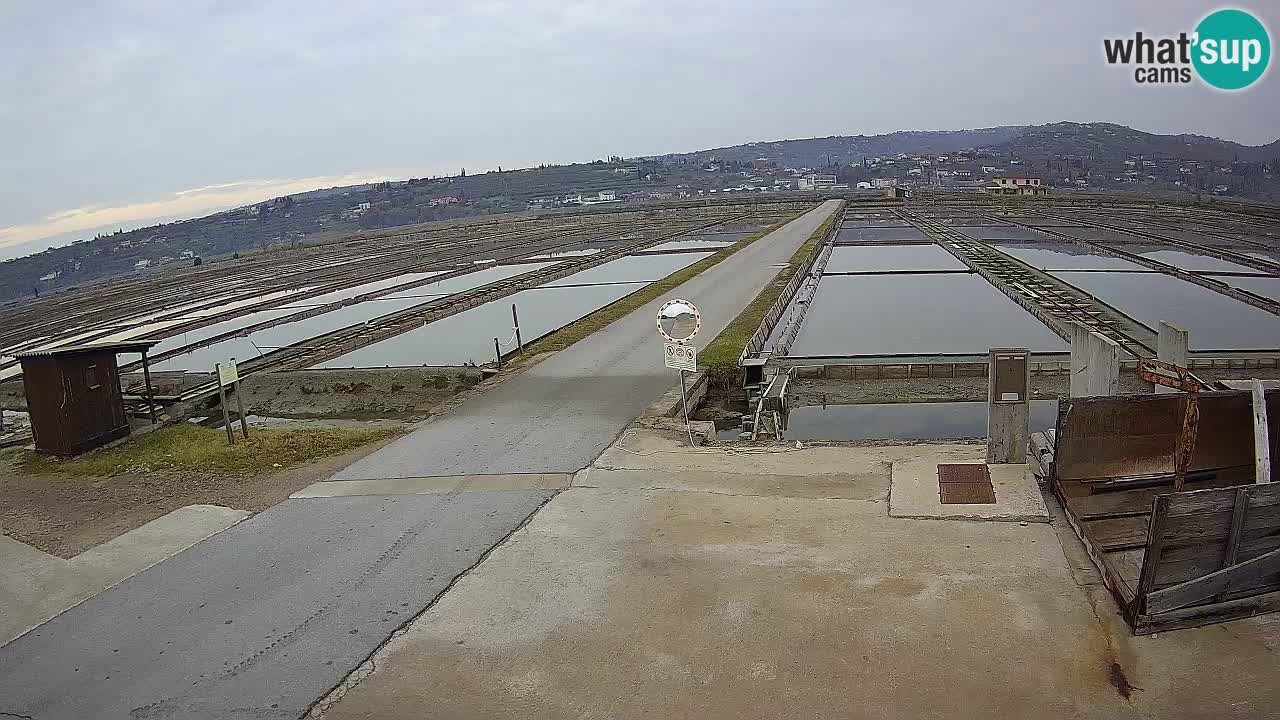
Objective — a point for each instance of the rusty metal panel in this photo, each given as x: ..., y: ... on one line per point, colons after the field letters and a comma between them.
x: 1136, y: 435
x: 965, y: 484
x: 964, y: 473
x: 967, y: 493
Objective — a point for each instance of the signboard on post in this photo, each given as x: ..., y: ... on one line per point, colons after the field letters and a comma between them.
x: 678, y: 321
x: 229, y: 377
x: 680, y: 356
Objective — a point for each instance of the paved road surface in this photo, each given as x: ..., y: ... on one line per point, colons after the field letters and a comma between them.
x: 261, y: 620
x: 561, y: 414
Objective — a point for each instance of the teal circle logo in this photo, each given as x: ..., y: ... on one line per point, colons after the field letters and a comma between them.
x: 1232, y: 49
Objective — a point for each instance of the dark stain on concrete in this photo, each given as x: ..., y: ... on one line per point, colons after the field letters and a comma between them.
x: 1120, y: 681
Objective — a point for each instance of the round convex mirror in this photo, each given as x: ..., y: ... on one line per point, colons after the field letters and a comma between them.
x: 678, y: 320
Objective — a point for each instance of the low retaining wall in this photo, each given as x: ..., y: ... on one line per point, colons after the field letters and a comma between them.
x: 670, y: 404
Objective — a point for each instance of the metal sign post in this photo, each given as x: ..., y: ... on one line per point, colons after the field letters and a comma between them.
x: 515, y: 320
x: 678, y: 321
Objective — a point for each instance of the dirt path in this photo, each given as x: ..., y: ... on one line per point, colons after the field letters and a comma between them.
x: 65, y: 515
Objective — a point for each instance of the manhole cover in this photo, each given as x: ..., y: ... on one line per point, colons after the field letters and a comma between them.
x: 960, y: 484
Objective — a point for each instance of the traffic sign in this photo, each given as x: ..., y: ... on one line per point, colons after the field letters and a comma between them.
x: 680, y: 356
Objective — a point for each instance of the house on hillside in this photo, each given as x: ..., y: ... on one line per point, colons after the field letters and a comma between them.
x: 1015, y: 185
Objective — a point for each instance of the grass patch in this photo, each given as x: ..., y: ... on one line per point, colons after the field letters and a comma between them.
x: 189, y: 447
x: 720, y: 356
x: 572, y: 333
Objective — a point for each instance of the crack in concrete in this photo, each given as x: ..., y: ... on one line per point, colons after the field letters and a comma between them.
x: 15, y: 715
x: 369, y: 666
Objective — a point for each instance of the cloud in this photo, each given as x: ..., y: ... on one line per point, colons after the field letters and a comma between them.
x: 184, y: 203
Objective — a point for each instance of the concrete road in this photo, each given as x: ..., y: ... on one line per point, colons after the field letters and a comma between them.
x: 261, y: 620
x: 562, y: 413
x: 720, y: 585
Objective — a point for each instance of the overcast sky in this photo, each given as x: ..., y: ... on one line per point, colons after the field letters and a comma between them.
x: 114, y: 113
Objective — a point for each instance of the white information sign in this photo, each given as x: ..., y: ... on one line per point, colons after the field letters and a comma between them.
x: 680, y: 356
x: 227, y: 372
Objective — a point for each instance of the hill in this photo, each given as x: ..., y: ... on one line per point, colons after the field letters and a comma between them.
x: 1091, y: 156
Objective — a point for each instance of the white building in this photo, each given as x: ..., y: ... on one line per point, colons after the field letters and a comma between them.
x: 814, y: 181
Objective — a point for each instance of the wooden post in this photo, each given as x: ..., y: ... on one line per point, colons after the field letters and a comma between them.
x: 515, y: 320
x: 497, y: 352
x: 1261, y: 437
x: 1236, y: 530
x: 235, y: 389
x: 222, y: 398
x: 1172, y: 347
x: 244, y: 423
x: 1151, y: 558
x: 146, y: 376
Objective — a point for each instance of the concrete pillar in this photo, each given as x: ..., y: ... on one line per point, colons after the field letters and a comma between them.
x: 1095, y: 363
x: 1172, y: 347
x: 1008, y: 405
x: 1079, y: 360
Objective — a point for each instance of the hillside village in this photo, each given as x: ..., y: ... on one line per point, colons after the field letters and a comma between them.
x: 1063, y: 157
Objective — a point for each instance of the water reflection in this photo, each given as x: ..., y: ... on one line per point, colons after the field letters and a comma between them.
x: 1216, y: 322
x: 915, y: 314
x: 879, y: 258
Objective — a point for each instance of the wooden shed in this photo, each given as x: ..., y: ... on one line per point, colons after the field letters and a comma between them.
x: 74, y: 396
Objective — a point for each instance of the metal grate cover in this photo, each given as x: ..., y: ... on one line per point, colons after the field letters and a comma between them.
x: 965, y: 484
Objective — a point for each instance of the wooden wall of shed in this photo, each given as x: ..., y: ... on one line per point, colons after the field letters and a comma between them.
x: 43, y: 386
x: 68, y: 415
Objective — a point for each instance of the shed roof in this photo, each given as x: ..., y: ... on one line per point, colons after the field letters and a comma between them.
x: 132, y: 346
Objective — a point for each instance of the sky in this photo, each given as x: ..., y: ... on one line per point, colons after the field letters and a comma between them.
x: 124, y: 112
